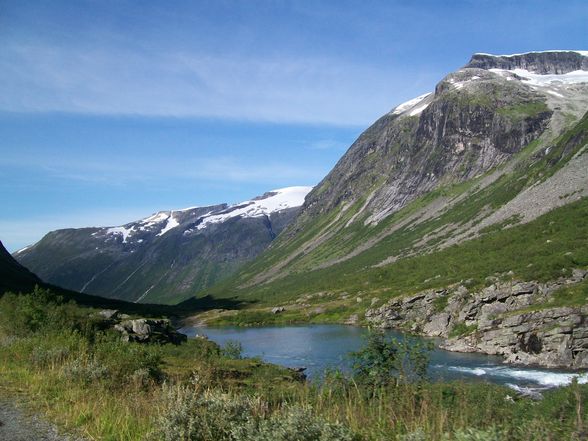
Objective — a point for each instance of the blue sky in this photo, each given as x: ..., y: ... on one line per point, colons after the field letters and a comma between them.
x: 112, y: 110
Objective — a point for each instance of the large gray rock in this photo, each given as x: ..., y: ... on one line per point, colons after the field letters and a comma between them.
x: 145, y: 330
x: 512, y: 319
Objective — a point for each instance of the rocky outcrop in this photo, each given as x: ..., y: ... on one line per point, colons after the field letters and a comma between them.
x: 512, y: 319
x: 550, y: 62
x: 141, y: 330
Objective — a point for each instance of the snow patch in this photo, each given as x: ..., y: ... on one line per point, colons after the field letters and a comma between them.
x: 23, y: 249
x: 171, y: 223
x: 460, y: 84
x: 277, y: 200
x: 121, y: 231
x: 583, y: 53
x: 409, y: 105
x: 534, y: 79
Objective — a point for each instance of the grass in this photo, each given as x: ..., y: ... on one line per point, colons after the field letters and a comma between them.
x: 461, y: 329
x: 91, y: 383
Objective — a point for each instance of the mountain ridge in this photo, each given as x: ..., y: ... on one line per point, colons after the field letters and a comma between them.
x: 167, y: 256
x: 493, y: 136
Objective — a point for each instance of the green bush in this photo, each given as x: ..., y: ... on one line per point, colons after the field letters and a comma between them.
x: 128, y: 362
x: 384, y: 360
x: 470, y: 434
x: 85, y: 370
x: 292, y: 423
x: 190, y: 415
x: 232, y: 349
x: 25, y: 314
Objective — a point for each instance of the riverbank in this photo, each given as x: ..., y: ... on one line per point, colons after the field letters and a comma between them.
x: 529, y: 323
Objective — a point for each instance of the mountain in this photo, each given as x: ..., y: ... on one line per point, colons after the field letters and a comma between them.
x: 166, y: 257
x: 421, y: 195
x: 14, y: 276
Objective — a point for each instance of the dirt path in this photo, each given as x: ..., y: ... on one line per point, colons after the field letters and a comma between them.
x: 17, y: 425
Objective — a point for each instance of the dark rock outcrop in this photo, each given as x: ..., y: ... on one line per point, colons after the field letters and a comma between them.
x: 549, y: 62
x: 14, y: 276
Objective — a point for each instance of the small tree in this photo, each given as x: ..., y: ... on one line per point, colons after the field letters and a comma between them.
x: 386, y: 360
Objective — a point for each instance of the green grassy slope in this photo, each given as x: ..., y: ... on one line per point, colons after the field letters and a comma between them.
x: 537, y: 250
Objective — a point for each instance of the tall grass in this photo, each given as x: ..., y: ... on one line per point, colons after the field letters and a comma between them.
x: 101, y: 388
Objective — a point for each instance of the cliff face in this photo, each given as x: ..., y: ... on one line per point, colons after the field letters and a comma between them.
x: 549, y: 62
x: 442, y: 166
x: 465, y: 128
x: 509, y: 318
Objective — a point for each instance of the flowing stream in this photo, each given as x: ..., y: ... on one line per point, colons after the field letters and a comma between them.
x: 319, y: 347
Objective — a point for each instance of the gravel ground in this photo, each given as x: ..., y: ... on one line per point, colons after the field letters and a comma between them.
x: 17, y: 425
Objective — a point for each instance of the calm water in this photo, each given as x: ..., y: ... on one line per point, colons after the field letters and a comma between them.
x: 318, y: 347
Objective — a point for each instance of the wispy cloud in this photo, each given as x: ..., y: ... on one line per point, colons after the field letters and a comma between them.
x: 156, y: 169
x: 327, y: 144
x: 43, y: 78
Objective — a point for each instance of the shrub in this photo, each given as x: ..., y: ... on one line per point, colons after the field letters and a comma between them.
x: 25, y: 314
x: 190, y: 415
x: 292, y: 423
x: 128, y: 362
x: 85, y: 371
x: 232, y: 349
x: 470, y: 434
x: 386, y: 360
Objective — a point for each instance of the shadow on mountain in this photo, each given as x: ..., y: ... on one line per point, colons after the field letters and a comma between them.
x: 16, y: 278
x: 209, y: 302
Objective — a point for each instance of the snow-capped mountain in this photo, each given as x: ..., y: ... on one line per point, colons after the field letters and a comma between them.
x: 167, y: 256
x: 451, y: 149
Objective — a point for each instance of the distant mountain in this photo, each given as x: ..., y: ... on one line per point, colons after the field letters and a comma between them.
x: 166, y: 257
x: 498, y: 143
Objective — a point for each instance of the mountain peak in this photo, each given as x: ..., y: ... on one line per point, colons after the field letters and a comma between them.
x: 545, y: 62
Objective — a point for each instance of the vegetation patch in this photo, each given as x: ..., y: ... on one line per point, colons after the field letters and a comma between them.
x: 56, y: 359
x: 461, y: 329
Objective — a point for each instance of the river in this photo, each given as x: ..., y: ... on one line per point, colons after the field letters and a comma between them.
x: 318, y: 347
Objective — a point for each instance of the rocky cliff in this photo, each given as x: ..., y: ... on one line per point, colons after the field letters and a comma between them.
x: 518, y: 320
x: 548, y: 62
x: 498, y: 142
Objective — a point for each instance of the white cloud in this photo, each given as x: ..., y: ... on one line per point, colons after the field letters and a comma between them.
x: 43, y: 78
x: 327, y: 144
x: 123, y: 170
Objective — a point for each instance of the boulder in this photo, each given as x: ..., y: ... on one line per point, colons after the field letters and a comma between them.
x: 145, y: 330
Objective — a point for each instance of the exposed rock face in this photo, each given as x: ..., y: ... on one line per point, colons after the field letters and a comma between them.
x: 512, y: 319
x: 549, y: 62
x: 458, y: 135
x: 472, y: 126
